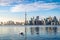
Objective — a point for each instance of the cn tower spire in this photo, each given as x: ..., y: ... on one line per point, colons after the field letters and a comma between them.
x: 25, y: 17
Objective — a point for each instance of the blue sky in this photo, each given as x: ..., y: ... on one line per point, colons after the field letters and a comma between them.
x: 15, y: 9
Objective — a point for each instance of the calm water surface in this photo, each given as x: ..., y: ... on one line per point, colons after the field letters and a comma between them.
x: 29, y: 32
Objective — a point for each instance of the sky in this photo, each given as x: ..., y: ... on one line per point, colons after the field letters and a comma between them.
x: 15, y: 9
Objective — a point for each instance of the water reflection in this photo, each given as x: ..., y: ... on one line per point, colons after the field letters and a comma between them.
x: 55, y: 30
x: 32, y: 30
x: 37, y: 30
x: 50, y: 30
x: 47, y: 30
x: 19, y: 32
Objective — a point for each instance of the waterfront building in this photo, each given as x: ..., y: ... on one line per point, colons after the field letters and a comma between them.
x: 18, y: 23
x: 10, y: 23
x: 45, y: 21
x: 37, y: 21
x: 54, y: 21
x: 32, y: 21
x: 59, y: 21
x: 42, y: 22
x: 48, y: 20
x: 1, y: 23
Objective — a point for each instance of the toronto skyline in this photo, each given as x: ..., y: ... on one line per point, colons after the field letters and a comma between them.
x: 15, y: 9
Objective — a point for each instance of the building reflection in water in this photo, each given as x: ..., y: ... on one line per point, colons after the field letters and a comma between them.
x: 42, y: 30
x: 37, y: 30
x: 32, y: 30
x: 50, y: 30
x: 55, y: 30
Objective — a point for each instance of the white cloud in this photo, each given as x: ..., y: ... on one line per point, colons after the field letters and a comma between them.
x: 33, y: 7
x: 9, y: 2
x: 40, y: 5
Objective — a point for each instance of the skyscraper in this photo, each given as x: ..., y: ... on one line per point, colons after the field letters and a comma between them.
x: 55, y: 21
x: 37, y: 21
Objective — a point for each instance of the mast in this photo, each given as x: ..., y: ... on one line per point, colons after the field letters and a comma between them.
x: 25, y: 18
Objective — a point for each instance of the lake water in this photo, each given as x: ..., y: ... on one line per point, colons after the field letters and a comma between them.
x: 30, y: 32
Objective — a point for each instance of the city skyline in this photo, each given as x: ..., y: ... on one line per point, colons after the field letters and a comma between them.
x: 15, y: 9
x: 34, y: 21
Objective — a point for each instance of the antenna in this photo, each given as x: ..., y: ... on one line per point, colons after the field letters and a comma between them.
x: 25, y: 18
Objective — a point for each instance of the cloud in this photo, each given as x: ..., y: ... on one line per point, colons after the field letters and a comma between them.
x: 33, y: 7
x: 9, y: 2
x: 23, y: 5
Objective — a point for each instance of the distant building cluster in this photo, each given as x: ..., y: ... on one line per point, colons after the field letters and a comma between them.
x: 45, y: 21
x: 35, y: 21
x: 11, y: 23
